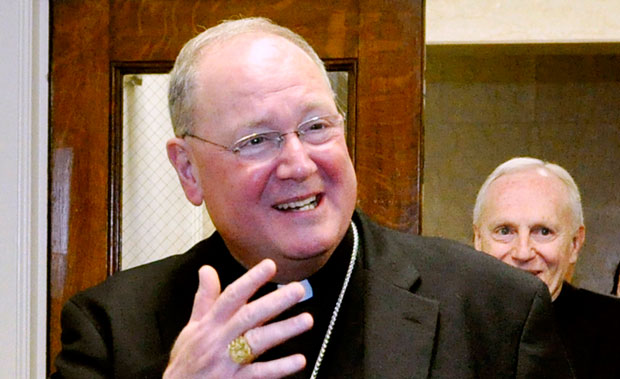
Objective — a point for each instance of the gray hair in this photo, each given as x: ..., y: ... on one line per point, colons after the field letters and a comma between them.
x: 183, y: 74
x: 523, y: 164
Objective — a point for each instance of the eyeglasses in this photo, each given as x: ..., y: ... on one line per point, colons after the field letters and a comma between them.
x: 266, y: 145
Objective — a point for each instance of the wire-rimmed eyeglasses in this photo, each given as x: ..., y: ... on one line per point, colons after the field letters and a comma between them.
x: 266, y: 145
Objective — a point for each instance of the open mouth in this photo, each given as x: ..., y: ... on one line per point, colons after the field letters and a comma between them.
x: 300, y: 205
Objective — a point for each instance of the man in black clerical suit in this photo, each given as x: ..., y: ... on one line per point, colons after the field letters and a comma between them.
x: 528, y: 214
x: 295, y: 281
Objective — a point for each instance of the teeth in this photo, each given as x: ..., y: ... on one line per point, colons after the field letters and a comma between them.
x: 302, y: 205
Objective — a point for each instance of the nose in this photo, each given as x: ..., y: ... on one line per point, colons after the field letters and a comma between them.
x: 523, y: 251
x: 293, y: 161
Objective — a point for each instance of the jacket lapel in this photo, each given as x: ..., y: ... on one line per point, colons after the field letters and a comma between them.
x: 399, y: 329
x: 400, y: 325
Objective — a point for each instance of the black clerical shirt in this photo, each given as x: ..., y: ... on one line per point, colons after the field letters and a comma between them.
x: 348, y: 330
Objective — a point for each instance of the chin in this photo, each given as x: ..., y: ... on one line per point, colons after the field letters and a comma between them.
x: 308, y: 250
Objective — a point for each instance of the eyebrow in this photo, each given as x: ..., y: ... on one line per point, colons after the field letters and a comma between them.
x: 545, y: 225
x: 501, y: 221
x: 308, y: 108
x: 249, y: 127
x: 548, y: 225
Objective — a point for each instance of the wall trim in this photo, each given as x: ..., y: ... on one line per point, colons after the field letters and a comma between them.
x: 32, y: 146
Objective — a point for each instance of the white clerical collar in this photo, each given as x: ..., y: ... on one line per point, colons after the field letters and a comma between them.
x: 307, y: 287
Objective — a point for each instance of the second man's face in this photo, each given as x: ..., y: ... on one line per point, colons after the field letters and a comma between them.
x: 526, y: 222
x: 297, y: 205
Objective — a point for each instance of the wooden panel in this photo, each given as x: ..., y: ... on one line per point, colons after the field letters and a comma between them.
x: 79, y: 115
x: 389, y: 112
x: 157, y: 29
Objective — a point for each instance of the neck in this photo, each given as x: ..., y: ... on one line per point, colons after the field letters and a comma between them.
x: 288, y: 269
x: 298, y: 270
x: 554, y: 295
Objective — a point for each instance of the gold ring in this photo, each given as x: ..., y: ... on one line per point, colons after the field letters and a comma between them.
x: 240, y: 351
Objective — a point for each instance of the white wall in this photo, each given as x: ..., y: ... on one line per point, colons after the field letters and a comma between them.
x: 522, y: 21
x: 23, y: 192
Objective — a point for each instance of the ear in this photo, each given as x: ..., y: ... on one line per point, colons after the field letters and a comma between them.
x: 578, y: 240
x: 179, y: 155
x: 477, y: 239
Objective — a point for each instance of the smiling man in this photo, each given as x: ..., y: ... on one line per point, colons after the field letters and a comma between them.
x: 295, y: 281
x: 528, y: 214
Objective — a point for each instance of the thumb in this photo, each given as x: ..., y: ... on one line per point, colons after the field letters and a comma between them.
x: 208, y: 292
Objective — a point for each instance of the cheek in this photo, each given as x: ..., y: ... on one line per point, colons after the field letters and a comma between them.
x: 233, y: 182
x: 341, y: 179
x: 498, y: 250
x: 336, y: 164
x: 552, y: 254
x: 255, y: 180
x: 558, y: 255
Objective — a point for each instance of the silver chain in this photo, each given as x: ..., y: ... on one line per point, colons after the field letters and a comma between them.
x: 332, y: 321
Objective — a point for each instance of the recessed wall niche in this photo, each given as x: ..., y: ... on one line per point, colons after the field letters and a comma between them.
x: 485, y: 104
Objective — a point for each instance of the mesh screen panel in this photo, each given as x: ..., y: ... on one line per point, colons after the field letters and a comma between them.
x: 157, y: 219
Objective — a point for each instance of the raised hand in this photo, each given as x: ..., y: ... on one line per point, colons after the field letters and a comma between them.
x: 201, y: 350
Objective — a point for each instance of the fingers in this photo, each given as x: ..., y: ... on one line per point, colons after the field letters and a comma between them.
x: 218, y: 317
x: 239, y: 292
x: 273, y: 369
x: 267, y: 307
x: 207, y: 294
x: 265, y: 337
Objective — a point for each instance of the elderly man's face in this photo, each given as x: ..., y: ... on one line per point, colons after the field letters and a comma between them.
x: 295, y: 207
x: 527, y: 223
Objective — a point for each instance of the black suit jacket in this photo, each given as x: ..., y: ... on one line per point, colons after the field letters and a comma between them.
x: 589, y: 325
x: 421, y: 307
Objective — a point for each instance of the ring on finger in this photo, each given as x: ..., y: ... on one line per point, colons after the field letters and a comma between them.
x: 239, y: 351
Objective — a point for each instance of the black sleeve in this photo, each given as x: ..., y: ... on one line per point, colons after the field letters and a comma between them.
x: 84, y: 351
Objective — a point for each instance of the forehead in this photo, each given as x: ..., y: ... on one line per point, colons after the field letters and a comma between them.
x: 528, y: 195
x: 256, y: 63
x: 258, y: 78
